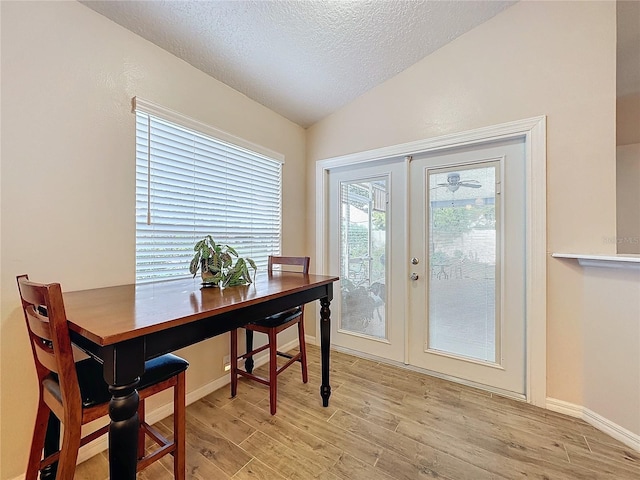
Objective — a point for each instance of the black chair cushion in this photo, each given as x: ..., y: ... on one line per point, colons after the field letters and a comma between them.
x: 94, y: 390
x: 279, y: 318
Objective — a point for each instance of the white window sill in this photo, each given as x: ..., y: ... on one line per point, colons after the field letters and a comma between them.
x: 626, y: 261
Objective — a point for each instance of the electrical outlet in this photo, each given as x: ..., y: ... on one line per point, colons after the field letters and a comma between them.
x: 226, y: 363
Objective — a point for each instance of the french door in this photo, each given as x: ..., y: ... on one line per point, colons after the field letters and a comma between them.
x: 431, y: 259
x: 367, y: 251
x: 467, y: 282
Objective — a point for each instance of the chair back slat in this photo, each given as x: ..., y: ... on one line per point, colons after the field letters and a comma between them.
x: 289, y: 262
x: 30, y: 294
x: 40, y: 331
x: 48, y: 329
x: 46, y: 355
x: 38, y: 324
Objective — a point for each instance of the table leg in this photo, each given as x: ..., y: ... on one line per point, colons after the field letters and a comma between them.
x: 325, y: 342
x: 123, y: 431
x: 123, y: 367
x: 51, y: 445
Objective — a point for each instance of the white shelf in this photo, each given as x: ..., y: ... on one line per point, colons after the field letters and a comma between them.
x: 607, y: 261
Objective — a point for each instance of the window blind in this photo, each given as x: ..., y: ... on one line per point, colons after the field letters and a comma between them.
x: 189, y: 185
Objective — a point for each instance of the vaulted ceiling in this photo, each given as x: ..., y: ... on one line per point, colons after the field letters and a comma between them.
x: 305, y: 58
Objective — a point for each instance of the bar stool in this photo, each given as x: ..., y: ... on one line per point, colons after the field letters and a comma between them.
x: 76, y: 393
x: 271, y: 326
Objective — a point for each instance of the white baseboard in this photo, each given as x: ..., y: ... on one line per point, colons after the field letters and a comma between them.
x: 101, y: 444
x: 625, y: 436
x: 566, y: 408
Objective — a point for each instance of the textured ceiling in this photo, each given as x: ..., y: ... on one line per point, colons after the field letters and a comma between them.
x: 307, y: 58
x: 302, y: 59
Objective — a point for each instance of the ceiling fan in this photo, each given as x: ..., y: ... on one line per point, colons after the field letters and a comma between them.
x: 454, y: 182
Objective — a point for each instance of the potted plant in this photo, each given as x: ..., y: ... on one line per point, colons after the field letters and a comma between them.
x: 216, y: 264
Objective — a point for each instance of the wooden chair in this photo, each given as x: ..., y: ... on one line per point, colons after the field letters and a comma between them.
x: 271, y: 326
x: 76, y: 393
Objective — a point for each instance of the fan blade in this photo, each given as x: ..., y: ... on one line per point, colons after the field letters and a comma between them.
x: 471, y: 185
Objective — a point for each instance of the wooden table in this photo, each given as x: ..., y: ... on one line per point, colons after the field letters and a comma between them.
x: 126, y: 325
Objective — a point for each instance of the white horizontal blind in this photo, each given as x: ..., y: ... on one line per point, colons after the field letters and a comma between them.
x: 189, y: 185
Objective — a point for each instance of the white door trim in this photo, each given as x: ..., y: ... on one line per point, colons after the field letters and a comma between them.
x: 534, y: 132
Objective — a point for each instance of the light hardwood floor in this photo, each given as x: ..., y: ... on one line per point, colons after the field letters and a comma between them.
x: 382, y: 423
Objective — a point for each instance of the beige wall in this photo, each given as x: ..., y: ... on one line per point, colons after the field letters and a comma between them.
x: 68, y: 157
x: 536, y: 58
x: 612, y: 345
x: 628, y: 198
x: 628, y: 119
x: 628, y: 176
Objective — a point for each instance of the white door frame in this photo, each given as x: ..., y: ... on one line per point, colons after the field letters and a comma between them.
x: 534, y: 132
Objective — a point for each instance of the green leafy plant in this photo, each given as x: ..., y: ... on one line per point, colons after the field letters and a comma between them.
x: 216, y: 264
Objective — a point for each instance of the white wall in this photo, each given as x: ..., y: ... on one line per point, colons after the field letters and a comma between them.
x: 68, y: 159
x: 535, y: 58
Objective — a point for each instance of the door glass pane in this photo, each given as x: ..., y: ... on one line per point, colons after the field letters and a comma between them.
x: 363, y: 232
x: 463, y: 249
